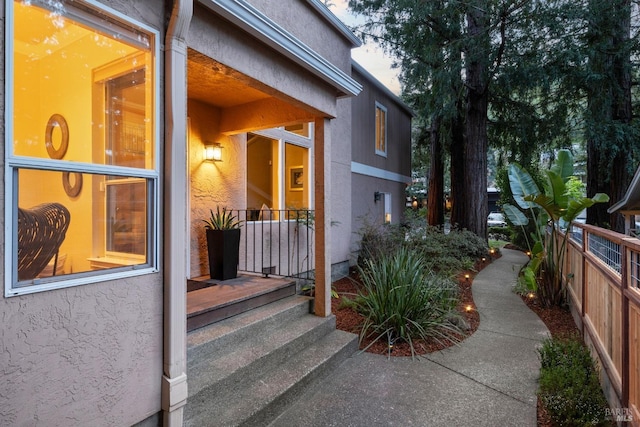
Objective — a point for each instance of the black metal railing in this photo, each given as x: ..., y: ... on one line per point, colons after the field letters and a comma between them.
x: 277, y: 242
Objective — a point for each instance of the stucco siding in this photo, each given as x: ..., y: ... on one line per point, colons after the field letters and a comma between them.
x: 90, y: 355
x: 366, y: 211
x: 340, y: 183
x: 306, y: 24
x: 212, y: 184
x: 398, y: 157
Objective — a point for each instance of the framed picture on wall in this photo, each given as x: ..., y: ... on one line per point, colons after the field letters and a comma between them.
x: 296, y: 178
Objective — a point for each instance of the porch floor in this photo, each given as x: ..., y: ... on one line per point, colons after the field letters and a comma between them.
x: 209, y: 301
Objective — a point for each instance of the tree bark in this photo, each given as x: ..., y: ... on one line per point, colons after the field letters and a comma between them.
x: 610, y: 110
x: 474, y: 200
x: 457, y: 167
x: 435, y: 199
x: 622, y: 110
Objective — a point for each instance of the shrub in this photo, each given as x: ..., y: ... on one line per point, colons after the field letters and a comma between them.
x: 569, y: 387
x: 402, y: 300
x: 444, y: 253
x: 377, y: 240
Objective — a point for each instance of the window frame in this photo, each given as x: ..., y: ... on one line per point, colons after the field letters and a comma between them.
x: 382, y: 108
x: 88, y: 12
x: 284, y: 137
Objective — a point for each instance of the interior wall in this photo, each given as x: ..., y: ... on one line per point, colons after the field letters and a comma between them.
x: 45, y: 187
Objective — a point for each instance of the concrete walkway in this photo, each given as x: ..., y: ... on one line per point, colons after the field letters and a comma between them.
x: 488, y: 380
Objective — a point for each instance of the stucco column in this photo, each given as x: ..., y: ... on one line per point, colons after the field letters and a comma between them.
x: 322, y: 189
x: 174, y: 380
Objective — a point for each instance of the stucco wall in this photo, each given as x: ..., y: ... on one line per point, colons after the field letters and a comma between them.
x: 90, y: 355
x: 212, y: 184
x: 87, y: 355
x: 310, y: 27
x: 398, y: 158
x: 366, y: 211
x: 341, y: 201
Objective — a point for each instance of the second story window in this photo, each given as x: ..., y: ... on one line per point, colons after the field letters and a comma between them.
x: 381, y: 130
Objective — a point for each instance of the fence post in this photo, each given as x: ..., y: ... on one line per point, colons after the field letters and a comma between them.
x: 624, y: 329
x: 583, y: 292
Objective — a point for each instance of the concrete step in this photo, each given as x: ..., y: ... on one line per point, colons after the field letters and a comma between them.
x: 245, y: 370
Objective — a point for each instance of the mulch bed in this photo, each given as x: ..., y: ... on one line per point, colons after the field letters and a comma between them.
x: 557, y: 319
x: 349, y: 320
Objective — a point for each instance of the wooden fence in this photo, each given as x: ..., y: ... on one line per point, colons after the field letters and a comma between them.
x: 603, y: 282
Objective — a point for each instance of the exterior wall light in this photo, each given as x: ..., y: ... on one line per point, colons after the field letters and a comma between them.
x: 377, y: 196
x: 213, y: 152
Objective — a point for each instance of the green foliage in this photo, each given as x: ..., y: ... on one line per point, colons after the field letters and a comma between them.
x: 569, y: 387
x: 446, y: 254
x: 549, y: 210
x: 403, y: 301
x: 224, y: 220
x: 498, y: 233
x: 377, y: 240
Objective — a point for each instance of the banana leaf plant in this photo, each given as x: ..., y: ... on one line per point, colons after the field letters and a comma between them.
x: 552, y: 209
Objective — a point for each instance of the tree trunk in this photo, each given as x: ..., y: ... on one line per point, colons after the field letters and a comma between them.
x: 622, y: 110
x: 435, y: 199
x: 609, y: 137
x: 474, y: 200
x: 457, y: 169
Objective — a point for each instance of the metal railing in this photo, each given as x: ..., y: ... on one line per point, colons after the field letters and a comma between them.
x: 277, y: 242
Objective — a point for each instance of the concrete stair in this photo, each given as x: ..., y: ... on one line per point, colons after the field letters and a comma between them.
x: 247, y: 369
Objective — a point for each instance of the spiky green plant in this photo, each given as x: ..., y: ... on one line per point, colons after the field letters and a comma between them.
x: 403, y: 301
x: 222, y: 220
x: 551, y: 210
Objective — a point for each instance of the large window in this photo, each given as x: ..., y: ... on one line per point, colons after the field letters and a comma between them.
x: 278, y: 171
x: 381, y: 130
x: 81, y: 144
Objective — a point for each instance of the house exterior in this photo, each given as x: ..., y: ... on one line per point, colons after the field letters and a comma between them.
x: 380, y: 153
x: 109, y: 110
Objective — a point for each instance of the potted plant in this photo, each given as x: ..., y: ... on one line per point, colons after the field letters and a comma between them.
x: 223, y: 243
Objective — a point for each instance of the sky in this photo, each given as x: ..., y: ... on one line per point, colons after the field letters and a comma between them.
x: 369, y: 55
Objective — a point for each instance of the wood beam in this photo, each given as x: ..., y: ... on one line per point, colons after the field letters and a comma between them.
x: 262, y: 114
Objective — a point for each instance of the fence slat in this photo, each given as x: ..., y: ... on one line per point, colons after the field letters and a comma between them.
x: 607, y: 296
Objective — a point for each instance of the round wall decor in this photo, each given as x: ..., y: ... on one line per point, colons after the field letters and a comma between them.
x: 74, y: 189
x: 57, y: 120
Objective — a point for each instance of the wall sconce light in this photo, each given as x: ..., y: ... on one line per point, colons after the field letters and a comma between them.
x: 377, y: 196
x: 213, y: 152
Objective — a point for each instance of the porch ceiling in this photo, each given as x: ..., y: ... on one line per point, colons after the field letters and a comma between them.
x: 213, y: 84
x: 246, y: 104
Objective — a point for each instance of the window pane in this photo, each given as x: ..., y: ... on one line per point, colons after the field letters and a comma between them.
x: 262, y: 172
x: 125, y: 119
x: 126, y: 216
x: 301, y: 129
x: 91, y: 222
x: 296, y: 176
x: 81, y: 93
x: 381, y: 122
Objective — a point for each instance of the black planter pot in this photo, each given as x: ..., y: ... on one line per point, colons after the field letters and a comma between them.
x: 224, y: 248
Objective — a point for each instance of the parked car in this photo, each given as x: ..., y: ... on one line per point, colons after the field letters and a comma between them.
x: 496, y: 219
